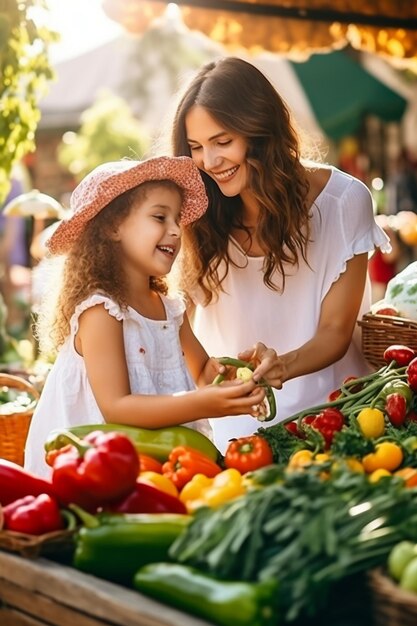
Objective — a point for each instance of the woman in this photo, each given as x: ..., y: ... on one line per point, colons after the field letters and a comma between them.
x: 280, y: 256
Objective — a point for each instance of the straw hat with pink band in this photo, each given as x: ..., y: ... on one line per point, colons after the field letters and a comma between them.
x: 109, y: 180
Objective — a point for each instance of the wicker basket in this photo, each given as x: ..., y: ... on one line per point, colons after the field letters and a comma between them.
x: 381, y: 331
x: 32, y: 546
x: 391, y: 605
x: 14, y: 426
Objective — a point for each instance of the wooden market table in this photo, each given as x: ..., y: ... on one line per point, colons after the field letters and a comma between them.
x: 40, y: 592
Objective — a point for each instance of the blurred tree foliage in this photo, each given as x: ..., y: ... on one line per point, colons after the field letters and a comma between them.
x: 108, y: 132
x: 166, y: 49
x: 25, y: 72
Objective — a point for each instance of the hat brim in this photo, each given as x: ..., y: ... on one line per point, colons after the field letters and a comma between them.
x: 110, y: 180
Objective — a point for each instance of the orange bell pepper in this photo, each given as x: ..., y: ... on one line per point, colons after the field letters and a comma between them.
x: 184, y: 463
x: 149, y: 464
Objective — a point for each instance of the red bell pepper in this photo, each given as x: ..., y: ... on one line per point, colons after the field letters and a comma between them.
x: 98, y: 469
x: 33, y: 515
x: 402, y: 355
x: 184, y: 462
x: 396, y: 408
x: 148, y: 499
x: 15, y: 482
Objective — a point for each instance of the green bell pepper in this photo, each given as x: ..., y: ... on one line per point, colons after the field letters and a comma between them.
x: 115, y: 546
x: 156, y: 443
x: 223, y: 602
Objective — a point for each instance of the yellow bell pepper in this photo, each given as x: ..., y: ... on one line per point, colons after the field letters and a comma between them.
x: 203, y: 491
x: 159, y: 481
x: 388, y: 456
x: 371, y: 422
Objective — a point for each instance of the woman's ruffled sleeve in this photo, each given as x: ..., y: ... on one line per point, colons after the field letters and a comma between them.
x: 361, y: 231
x: 354, y: 231
x: 112, y: 307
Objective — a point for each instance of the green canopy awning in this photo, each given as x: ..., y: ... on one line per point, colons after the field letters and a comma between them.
x: 342, y: 92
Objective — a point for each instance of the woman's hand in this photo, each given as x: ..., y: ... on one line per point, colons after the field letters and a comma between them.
x: 268, y: 365
x: 211, y: 370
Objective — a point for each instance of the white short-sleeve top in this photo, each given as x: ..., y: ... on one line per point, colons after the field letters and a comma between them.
x: 155, y: 361
x: 342, y: 225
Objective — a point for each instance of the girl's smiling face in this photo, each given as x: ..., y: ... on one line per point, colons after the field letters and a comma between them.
x: 218, y: 152
x: 150, y: 236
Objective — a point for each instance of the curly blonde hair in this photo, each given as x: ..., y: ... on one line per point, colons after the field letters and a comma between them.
x: 242, y: 100
x: 92, y: 266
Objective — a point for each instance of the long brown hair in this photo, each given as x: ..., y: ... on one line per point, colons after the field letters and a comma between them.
x: 92, y: 266
x: 243, y: 101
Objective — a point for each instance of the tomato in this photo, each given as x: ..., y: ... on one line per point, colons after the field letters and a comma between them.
x: 399, y: 557
x: 334, y: 395
x: 292, y: 427
x: 247, y: 454
x: 402, y: 355
x: 411, y: 372
x: 396, y: 409
x: 328, y: 422
x: 387, y: 310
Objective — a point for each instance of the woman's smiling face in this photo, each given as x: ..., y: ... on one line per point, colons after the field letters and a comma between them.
x: 218, y: 152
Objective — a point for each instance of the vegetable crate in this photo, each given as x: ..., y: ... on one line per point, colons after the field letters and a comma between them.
x: 40, y: 592
x: 381, y: 331
x: 391, y: 605
x: 15, y: 416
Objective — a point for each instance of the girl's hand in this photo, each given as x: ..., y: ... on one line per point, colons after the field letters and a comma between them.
x: 232, y: 398
x: 268, y: 364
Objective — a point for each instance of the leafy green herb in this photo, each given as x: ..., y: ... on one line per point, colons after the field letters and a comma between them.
x: 305, y: 532
x: 282, y: 442
x: 350, y: 442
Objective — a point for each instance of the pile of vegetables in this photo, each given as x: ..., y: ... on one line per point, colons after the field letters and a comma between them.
x: 301, y: 531
x: 358, y: 416
x: 257, y: 537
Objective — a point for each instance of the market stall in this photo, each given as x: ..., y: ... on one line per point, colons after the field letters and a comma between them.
x: 306, y: 522
x: 34, y: 592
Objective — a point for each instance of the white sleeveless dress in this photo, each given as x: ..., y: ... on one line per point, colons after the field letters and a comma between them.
x: 155, y: 362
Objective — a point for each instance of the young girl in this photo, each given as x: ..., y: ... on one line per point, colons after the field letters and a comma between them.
x: 126, y: 351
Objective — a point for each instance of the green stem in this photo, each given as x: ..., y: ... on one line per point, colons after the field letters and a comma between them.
x: 69, y: 519
x: 376, y: 382
x: 88, y: 520
x: 67, y: 437
x: 228, y: 360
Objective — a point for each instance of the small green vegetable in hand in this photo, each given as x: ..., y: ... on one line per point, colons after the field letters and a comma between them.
x: 244, y: 372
